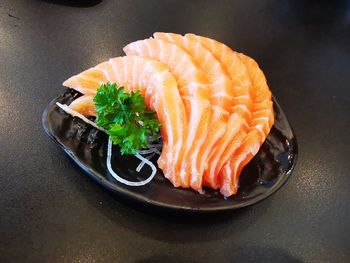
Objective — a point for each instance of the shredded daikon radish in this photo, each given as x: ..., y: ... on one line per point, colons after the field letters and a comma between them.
x: 155, y: 145
x: 153, y: 149
x: 77, y: 114
x: 148, y: 151
x: 140, y: 166
x: 158, y: 151
x: 122, y: 180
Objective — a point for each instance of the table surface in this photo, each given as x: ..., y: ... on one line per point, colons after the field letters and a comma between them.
x: 50, y: 211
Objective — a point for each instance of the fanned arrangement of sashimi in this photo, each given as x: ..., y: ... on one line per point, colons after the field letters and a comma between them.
x: 211, y: 105
x: 179, y: 121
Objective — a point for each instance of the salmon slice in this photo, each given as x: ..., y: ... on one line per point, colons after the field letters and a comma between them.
x: 262, y: 121
x: 195, y: 93
x: 158, y: 86
x: 84, y: 105
x: 220, y: 86
x: 241, y: 106
x: 87, y: 85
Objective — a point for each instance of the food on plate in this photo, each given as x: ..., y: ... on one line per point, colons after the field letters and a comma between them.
x: 213, y: 105
x: 195, y: 94
x: 260, y: 125
x: 84, y: 105
x: 252, y: 99
x: 156, y: 84
x: 221, y: 94
x: 125, y: 118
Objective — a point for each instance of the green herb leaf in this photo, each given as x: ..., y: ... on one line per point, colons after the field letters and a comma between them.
x: 125, y: 117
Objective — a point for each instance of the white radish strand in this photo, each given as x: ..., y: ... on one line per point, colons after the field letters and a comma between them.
x: 151, y: 150
x: 147, y: 151
x: 159, y: 152
x: 158, y: 145
x: 154, y: 149
x: 140, y: 166
x: 122, y: 180
x: 77, y: 114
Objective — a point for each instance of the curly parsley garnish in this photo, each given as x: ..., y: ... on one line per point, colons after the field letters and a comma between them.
x: 125, y: 117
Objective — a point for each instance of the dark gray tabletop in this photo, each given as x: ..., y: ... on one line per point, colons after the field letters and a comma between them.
x: 50, y: 211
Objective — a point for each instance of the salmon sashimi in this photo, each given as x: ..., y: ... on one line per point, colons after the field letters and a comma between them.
x: 84, y: 105
x: 195, y: 93
x: 155, y: 82
x: 213, y: 103
x: 241, y: 105
x: 89, y: 84
x: 221, y: 90
x: 261, y: 123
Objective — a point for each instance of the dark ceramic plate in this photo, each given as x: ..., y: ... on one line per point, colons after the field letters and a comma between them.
x: 87, y: 146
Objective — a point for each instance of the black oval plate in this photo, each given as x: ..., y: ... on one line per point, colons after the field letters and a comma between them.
x: 87, y: 146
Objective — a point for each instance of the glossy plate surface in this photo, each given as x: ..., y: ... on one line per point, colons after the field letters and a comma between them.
x: 87, y: 146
